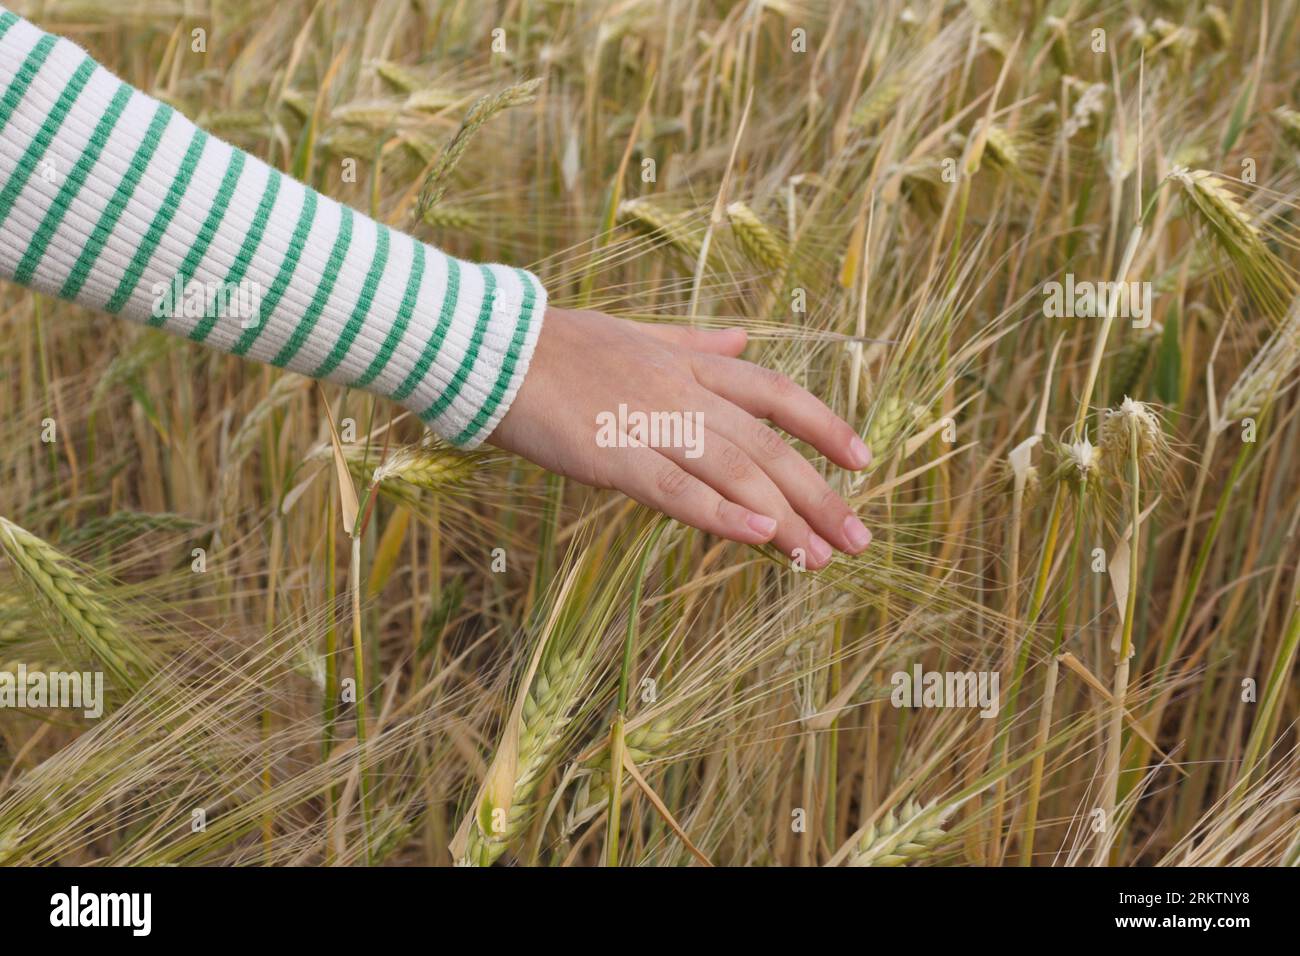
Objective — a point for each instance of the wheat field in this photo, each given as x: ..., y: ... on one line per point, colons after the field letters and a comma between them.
x: 328, y: 640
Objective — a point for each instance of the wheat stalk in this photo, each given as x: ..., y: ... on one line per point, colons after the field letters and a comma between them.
x: 451, y: 217
x: 1139, y: 419
x: 1004, y: 150
x: 877, y: 101
x: 642, y: 743
x: 235, y: 121
x: 132, y: 361
x: 432, y: 100
x: 377, y: 115
x: 246, y: 438
x: 1129, y: 364
x: 402, y: 78
x: 1077, y: 464
x: 121, y: 524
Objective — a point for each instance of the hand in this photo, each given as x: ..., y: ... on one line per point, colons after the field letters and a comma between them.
x: 735, y: 476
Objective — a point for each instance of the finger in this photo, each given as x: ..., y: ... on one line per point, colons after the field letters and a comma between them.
x: 728, y: 342
x: 766, y: 393
x: 799, y: 482
x: 733, y: 474
x: 646, y: 475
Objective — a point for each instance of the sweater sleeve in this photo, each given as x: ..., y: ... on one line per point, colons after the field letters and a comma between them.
x: 113, y: 200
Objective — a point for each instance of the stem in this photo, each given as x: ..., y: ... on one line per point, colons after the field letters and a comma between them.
x: 1022, y: 662
x: 1202, y: 560
x: 616, y: 731
x: 1274, y: 693
x: 1049, y: 692
x: 354, y: 585
x: 1099, y: 348
x: 330, y: 704
x: 1110, y: 792
x: 1036, y: 768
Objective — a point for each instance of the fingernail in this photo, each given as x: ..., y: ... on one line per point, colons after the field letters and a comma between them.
x: 818, y: 549
x: 857, y: 533
x: 760, y: 524
x: 859, y: 453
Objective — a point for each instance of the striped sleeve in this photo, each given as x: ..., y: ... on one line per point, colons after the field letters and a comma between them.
x: 113, y: 200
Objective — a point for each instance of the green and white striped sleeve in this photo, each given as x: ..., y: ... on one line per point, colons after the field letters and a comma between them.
x: 114, y: 200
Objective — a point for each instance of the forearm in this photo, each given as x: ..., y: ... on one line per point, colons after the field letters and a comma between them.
x: 111, y: 199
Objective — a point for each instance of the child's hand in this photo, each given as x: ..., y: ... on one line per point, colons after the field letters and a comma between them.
x: 741, y: 481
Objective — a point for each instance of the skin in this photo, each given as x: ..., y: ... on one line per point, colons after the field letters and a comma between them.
x: 749, y: 485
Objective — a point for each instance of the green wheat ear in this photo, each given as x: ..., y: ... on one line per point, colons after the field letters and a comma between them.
x: 52, y: 576
x: 1231, y: 227
x: 546, y: 712
x: 428, y: 465
x: 762, y: 246
x: 893, y: 420
x: 903, y: 838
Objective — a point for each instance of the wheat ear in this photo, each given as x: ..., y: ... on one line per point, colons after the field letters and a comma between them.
x: 1234, y: 231
x: 546, y: 713
x: 905, y: 838
x: 642, y: 744
x: 53, y: 577
x: 654, y: 220
x: 763, y: 246
x: 482, y: 110
x: 428, y: 465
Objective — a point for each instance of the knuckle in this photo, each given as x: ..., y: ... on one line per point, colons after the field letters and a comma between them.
x: 722, y: 511
x: 768, y: 441
x: 735, y: 463
x: 828, y: 500
x: 589, y: 468
x: 778, y: 383
x: 671, y: 481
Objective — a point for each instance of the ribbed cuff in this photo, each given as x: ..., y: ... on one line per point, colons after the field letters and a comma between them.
x: 497, y: 314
